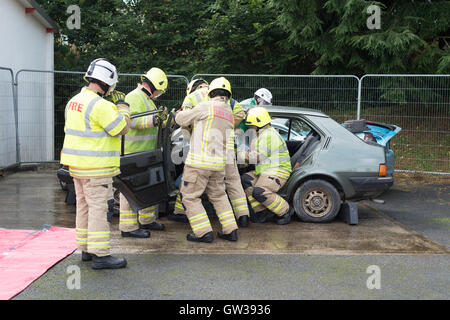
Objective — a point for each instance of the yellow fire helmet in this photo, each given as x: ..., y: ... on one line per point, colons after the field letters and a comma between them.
x: 257, y: 116
x: 196, y: 82
x: 158, y: 79
x: 220, y: 83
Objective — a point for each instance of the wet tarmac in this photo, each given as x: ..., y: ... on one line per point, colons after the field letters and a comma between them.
x: 31, y: 199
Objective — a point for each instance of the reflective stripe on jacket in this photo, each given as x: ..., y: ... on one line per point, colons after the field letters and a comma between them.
x: 212, y: 123
x: 142, y: 136
x: 90, y: 129
x: 274, y: 154
x: 194, y: 98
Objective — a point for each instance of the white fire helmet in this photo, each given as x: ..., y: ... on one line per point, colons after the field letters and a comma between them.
x: 102, y: 70
x: 265, y: 95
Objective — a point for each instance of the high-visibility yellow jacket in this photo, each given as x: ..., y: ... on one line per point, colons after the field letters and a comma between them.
x: 211, y: 138
x: 194, y: 98
x: 142, y: 136
x: 269, y: 153
x: 91, y: 146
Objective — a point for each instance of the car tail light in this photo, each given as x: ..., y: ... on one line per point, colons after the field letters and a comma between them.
x: 382, y: 170
x: 369, y: 137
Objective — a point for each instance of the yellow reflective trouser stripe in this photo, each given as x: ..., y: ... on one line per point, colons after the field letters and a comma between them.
x: 81, y: 235
x: 201, y: 165
x: 98, y: 244
x: 224, y: 224
x: 198, y: 217
x: 243, y: 199
x: 146, y: 215
x: 275, y: 203
x: 279, y: 206
x: 97, y: 235
x: 225, y: 214
x: 201, y: 225
x: 253, y: 202
x: 226, y: 218
x: 240, y: 208
x: 207, y: 160
x: 124, y: 217
x: 179, y: 205
x: 277, y: 173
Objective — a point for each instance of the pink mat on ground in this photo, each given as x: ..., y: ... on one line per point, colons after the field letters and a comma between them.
x: 25, y: 255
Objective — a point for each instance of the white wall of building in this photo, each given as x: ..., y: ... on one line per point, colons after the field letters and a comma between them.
x: 26, y: 44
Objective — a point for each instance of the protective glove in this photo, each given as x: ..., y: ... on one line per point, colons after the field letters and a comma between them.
x: 164, y: 115
x: 117, y: 97
x: 160, y: 119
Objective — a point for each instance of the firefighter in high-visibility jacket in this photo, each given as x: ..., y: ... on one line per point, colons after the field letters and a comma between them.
x: 91, y: 150
x: 232, y: 180
x: 204, y: 169
x: 143, y: 136
x: 269, y: 153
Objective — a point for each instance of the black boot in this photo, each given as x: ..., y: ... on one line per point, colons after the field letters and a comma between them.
x: 230, y: 236
x: 86, y: 256
x: 178, y: 217
x: 136, y: 234
x: 263, y: 216
x: 108, y: 262
x: 243, y: 221
x: 153, y: 226
x: 286, y: 218
x: 208, y: 238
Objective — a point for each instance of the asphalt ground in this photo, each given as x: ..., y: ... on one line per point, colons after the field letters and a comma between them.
x: 405, y: 239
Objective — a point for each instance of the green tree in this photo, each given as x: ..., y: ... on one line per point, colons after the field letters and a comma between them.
x: 335, y: 32
x: 134, y: 35
x: 243, y: 37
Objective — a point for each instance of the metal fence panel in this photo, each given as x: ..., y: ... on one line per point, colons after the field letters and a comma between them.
x: 334, y: 95
x: 420, y: 104
x: 8, y: 152
x: 42, y: 98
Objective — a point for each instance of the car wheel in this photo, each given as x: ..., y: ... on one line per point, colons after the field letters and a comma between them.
x: 317, y: 201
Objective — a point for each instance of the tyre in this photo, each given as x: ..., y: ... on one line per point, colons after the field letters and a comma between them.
x: 317, y: 201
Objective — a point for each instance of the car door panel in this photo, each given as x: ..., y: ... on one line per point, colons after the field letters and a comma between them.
x: 143, y: 177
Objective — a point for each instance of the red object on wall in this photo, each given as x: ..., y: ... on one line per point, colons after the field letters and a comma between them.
x: 29, y: 10
x: 50, y: 30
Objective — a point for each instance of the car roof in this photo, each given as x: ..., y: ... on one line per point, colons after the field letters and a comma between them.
x: 291, y: 111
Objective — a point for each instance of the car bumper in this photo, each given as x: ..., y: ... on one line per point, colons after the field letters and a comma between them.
x: 370, y: 186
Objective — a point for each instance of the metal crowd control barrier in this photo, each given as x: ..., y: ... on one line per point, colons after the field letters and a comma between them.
x: 336, y: 95
x: 42, y: 97
x: 8, y: 115
x: 32, y: 108
x: 420, y: 104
